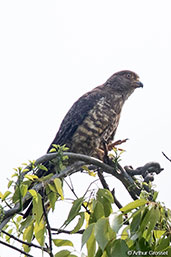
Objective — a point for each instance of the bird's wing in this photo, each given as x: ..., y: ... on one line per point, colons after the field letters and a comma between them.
x: 76, y: 115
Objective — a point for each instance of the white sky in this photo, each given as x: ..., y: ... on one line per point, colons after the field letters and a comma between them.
x: 51, y: 52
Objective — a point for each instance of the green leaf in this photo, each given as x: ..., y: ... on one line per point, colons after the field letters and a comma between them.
x: 42, y: 167
x: 10, y: 183
x: 79, y: 223
x: 133, y: 205
x: 37, y: 205
x: 25, y: 170
x: 1, y: 195
x: 116, y: 221
x: 26, y: 248
x: 105, y: 197
x: 58, y: 185
x: 46, y: 177
x: 125, y: 234
x: 135, y: 223
x: 5, y: 195
x: 153, y: 219
x: 91, y: 245
x: 24, y: 189
x: 155, y: 195
x: 90, y: 172
x: 159, y: 233
x: 39, y: 231
x: 99, y: 253
x: 119, y: 248
x: 31, y: 177
x: 87, y: 233
x: 52, y: 150
x: 52, y: 197
x: 164, y: 243
x: 104, y: 254
x: 15, y: 174
x: 98, y: 211
x: 27, y: 222
x: 52, y: 188
x: 33, y: 193
x: 7, y: 237
x: 104, y: 193
x: 37, y: 209
x: 17, y: 195
x: 62, y: 242
x: 101, y: 232
x: 27, y: 236
x: 28, y: 233
x: 150, y: 219
x: 63, y: 253
x: 74, y: 210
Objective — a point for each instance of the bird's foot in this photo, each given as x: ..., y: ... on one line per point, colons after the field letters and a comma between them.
x: 116, y: 143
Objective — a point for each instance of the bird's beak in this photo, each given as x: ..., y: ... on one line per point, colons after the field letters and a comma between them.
x: 138, y: 84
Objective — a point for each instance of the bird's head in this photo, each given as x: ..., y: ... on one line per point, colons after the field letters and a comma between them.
x: 124, y: 82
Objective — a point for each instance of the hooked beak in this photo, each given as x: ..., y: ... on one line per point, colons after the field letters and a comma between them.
x: 138, y: 84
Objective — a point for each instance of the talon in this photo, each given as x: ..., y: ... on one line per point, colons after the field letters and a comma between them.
x: 118, y: 142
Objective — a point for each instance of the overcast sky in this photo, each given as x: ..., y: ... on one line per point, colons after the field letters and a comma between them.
x: 51, y: 52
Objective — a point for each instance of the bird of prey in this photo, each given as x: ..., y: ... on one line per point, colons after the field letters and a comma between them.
x: 94, y: 117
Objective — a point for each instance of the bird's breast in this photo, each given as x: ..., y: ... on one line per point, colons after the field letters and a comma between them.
x: 99, y: 124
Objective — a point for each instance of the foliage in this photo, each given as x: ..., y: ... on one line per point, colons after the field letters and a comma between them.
x: 142, y: 227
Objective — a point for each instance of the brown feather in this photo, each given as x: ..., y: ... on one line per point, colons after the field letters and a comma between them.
x: 94, y: 117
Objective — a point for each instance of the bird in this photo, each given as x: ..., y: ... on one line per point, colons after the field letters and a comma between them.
x: 93, y: 119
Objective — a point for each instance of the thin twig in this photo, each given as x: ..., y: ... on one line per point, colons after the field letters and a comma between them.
x: 102, y: 180
x: 118, y: 204
x: 166, y: 157
x: 72, y: 190
x: 23, y: 242
x: 48, y: 226
x: 59, y: 231
x: 71, y: 187
x: 15, y: 248
x: 105, y: 185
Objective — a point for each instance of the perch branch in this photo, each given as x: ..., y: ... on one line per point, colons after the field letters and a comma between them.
x: 117, y: 171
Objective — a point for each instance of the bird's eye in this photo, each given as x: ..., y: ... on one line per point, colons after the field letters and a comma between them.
x: 128, y: 75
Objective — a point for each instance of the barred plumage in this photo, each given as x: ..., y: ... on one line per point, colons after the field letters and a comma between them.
x: 94, y: 117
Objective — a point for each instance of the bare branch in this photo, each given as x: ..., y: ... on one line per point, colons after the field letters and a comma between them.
x: 105, y: 185
x: 102, y: 180
x: 15, y: 248
x: 72, y: 190
x: 166, y: 157
x: 151, y: 167
x: 24, y: 242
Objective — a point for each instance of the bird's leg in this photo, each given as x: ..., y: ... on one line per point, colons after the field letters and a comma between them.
x: 114, y: 144
x: 105, y: 152
x: 99, y: 154
x: 102, y: 152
